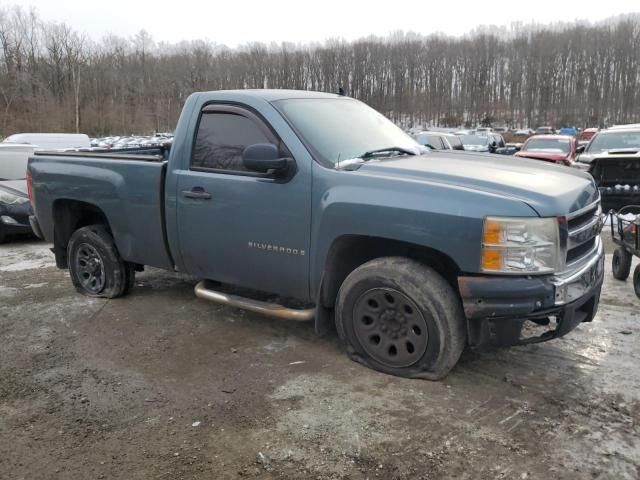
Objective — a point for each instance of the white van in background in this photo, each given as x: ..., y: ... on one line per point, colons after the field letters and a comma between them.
x: 13, y: 160
x: 16, y: 149
x: 51, y: 141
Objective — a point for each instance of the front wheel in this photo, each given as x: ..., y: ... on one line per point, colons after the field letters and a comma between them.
x: 95, y: 266
x: 621, y: 264
x: 401, y: 317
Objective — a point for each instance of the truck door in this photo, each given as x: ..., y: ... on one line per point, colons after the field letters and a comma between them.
x: 234, y: 225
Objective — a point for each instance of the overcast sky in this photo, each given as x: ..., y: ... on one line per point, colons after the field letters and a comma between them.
x: 234, y: 22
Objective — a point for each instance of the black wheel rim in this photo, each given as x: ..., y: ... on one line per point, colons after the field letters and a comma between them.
x: 90, y: 268
x: 390, y: 327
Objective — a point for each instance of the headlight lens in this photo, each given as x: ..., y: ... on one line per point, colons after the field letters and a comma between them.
x: 9, y: 198
x: 520, y: 245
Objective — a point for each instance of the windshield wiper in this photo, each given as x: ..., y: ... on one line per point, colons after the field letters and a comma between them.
x: 373, y: 153
x: 356, y: 162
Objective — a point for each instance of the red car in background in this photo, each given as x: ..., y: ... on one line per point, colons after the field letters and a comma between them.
x: 550, y: 148
x: 586, y: 134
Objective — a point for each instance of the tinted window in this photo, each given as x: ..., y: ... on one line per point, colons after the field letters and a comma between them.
x: 221, y: 139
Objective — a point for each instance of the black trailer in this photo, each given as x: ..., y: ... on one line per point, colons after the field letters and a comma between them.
x: 625, y: 232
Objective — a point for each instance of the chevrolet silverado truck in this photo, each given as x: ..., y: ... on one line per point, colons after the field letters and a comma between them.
x: 322, y: 201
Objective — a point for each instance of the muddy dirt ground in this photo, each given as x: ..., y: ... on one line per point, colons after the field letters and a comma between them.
x: 162, y: 385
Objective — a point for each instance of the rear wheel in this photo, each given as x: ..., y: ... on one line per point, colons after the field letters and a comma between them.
x: 400, y: 317
x: 95, y: 266
x: 621, y: 264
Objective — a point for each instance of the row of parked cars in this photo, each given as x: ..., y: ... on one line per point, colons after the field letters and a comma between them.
x: 471, y: 140
x: 120, y: 142
x: 611, y: 155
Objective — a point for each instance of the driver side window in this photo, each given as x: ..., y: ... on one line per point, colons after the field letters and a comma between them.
x: 221, y: 139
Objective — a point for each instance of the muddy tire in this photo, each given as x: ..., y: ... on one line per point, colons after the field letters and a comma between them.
x: 95, y: 266
x: 621, y: 264
x: 400, y: 317
x: 636, y: 280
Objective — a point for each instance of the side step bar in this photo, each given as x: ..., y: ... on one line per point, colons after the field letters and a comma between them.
x: 265, y: 308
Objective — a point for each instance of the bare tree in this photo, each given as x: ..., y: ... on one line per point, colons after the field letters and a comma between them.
x: 53, y: 78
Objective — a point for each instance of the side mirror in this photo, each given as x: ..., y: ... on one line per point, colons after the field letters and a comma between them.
x: 518, y: 147
x: 580, y: 148
x: 264, y: 157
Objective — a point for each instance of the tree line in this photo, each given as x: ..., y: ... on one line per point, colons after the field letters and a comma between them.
x: 54, y: 78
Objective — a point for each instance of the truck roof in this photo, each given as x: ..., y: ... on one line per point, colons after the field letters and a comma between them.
x: 271, y: 95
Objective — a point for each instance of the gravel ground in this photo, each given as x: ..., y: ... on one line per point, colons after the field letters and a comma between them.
x: 163, y: 385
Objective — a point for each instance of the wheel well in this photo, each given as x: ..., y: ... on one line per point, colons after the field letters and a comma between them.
x: 350, y: 251
x: 69, y: 216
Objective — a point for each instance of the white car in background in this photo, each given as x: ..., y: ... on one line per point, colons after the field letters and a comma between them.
x: 51, y: 141
x: 13, y: 160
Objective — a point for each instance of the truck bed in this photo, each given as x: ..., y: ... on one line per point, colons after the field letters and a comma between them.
x: 129, y: 188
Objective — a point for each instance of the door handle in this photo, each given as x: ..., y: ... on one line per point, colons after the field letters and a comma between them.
x: 197, y: 193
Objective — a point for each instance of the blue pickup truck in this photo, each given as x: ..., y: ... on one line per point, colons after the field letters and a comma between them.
x: 322, y: 201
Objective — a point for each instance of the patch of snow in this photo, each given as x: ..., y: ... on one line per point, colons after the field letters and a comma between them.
x: 6, y: 292
x: 16, y: 257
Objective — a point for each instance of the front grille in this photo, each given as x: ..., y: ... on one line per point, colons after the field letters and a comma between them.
x: 580, y: 251
x: 618, y: 170
x: 583, y: 227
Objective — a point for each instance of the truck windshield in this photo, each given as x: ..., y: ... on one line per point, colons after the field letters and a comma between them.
x: 337, y: 129
x: 614, y: 141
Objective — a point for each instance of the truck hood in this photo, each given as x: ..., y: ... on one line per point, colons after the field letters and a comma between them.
x: 547, y: 156
x: 549, y: 189
x: 587, y: 157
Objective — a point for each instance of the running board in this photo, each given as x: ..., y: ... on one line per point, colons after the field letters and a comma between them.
x: 265, y: 308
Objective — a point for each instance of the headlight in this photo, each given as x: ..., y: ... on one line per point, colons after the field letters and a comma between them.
x: 520, y: 245
x: 9, y: 198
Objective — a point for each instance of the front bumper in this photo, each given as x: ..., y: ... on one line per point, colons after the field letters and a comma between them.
x: 498, y: 307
